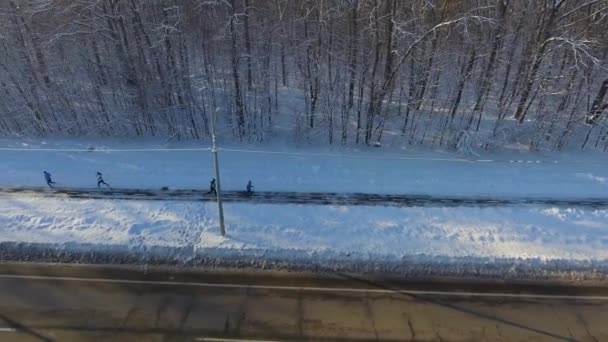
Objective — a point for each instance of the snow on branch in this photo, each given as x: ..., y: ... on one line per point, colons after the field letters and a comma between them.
x: 580, y: 49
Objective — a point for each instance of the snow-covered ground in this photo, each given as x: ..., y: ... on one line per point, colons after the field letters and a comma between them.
x: 366, y: 232
x: 361, y: 233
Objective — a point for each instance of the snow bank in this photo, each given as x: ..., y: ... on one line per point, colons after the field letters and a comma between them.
x: 320, y: 233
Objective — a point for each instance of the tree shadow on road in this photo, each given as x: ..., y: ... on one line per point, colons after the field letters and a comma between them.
x: 459, y: 308
x: 24, y: 329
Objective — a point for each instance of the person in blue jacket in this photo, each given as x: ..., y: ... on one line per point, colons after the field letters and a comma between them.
x: 49, y: 181
x: 100, y: 181
x: 212, y: 189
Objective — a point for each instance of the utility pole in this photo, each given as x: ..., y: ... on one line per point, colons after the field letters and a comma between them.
x: 216, y: 166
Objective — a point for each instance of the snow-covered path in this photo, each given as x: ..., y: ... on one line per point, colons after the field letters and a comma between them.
x: 307, y: 170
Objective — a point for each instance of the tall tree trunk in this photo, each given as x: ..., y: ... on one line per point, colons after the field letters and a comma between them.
x: 488, y: 74
x: 593, y: 117
x: 248, y: 44
x: 352, y: 66
x: 238, y: 100
x: 545, y: 31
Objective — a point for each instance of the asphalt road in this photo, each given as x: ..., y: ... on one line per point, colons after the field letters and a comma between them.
x: 318, y: 198
x: 84, y: 303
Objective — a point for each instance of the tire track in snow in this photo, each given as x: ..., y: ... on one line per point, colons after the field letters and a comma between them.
x: 313, y: 198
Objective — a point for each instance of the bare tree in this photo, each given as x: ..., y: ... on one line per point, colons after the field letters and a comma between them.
x: 438, y: 71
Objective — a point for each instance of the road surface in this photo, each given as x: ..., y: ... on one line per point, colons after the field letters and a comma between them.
x: 85, y: 303
x: 318, y: 198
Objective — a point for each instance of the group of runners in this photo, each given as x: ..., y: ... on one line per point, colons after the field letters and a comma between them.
x: 100, y: 182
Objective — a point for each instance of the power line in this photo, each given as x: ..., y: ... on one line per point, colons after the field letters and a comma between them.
x: 344, y: 155
x: 307, y: 154
x: 395, y: 157
x: 9, y: 149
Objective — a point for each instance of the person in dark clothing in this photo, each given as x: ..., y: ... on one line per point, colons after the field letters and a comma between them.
x: 249, y: 187
x: 212, y: 187
x: 49, y: 181
x: 100, y: 181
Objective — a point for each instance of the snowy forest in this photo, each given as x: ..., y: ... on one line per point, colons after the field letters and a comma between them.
x: 433, y: 73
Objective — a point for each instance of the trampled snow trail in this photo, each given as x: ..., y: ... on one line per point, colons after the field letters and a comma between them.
x: 314, y: 198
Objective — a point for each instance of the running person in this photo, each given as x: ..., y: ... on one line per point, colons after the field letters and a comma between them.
x: 212, y: 188
x: 49, y: 181
x: 100, y: 181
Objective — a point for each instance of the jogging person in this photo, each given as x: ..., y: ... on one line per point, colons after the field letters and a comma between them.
x: 100, y: 181
x: 49, y: 181
x: 212, y: 187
